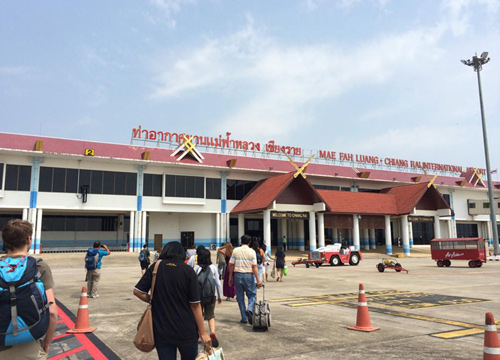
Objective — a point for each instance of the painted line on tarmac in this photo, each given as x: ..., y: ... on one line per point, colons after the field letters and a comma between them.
x: 398, y: 299
x: 80, y: 346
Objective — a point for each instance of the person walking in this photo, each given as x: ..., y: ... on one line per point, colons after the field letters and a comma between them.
x: 280, y: 262
x: 242, y: 271
x: 144, y: 259
x: 221, y: 262
x: 203, y: 270
x: 93, y: 263
x: 17, y: 240
x: 176, y: 309
x: 259, y: 254
x: 284, y: 243
x: 228, y: 291
x: 267, y: 261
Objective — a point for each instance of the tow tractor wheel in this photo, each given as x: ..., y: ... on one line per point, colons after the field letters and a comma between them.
x: 380, y: 267
x: 335, y: 260
x: 472, y: 264
x: 440, y: 263
x: 354, y: 260
x: 479, y: 263
x: 447, y: 263
x: 307, y: 265
x: 397, y: 267
x: 317, y: 265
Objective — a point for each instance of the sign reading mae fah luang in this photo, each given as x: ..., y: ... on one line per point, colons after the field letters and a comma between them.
x: 226, y: 142
x: 289, y: 215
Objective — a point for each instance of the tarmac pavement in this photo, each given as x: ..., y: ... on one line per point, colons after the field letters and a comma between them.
x: 312, y: 308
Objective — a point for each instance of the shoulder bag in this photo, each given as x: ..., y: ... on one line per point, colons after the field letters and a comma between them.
x: 144, y: 339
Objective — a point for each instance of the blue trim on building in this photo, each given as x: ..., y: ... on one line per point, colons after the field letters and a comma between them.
x: 223, y: 206
x: 140, y: 186
x: 373, y: 244
x: 406, y: 249
x: 33, y: 199
x: 411, y: 242
x: 139, y: 203
x: 356, y: 247
x: 388, y: 249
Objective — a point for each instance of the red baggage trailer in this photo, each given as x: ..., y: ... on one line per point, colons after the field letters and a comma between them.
x: 473, y: 249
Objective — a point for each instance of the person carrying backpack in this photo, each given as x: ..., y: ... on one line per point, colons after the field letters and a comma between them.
x: 93, y: 266
x: 208, y: 280
x: 34, y: 326
x: 144, y: 259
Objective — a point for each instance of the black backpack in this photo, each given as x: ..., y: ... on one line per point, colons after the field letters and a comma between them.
x: 206, y: 281
x: 259, y: 257
x: 23, y: 303
x: 91, y: 259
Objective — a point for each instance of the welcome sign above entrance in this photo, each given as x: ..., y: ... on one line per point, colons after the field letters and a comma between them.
x: 289, y: 215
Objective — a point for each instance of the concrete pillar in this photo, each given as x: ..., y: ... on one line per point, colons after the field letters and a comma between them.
x: 410, y: 232
x: 25, y: 214
x: 373, y: 241
x: 131, y: 236
x: 312, y: 231
x: 228, y: 226
x: 437, y: 228
x: 355, y: 232
x: 38, y: 233
x: 300, y: 235
x: 404, y: 232
x: 143, y: 229
x: 267, y: 230
x: 290, y: 233
x: 489, y: 231
x: 284, y: 230
x: 450, y: 230
x: 365, y: 239
x: 241, y: 225
x: 137, y: 230
x: 218, y: 241
x: 321, y: 229
x: 335, y: 233
x: 388, y: 235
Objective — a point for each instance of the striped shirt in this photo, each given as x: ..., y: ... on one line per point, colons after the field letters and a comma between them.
x: 243, y: 258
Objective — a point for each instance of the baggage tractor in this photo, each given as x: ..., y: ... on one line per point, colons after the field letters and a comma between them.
x: 261, y: 316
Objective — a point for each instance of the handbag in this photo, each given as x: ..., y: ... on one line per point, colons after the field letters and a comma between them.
x: 144, y: 339
x: 273, y: 271
x: 211, y: 354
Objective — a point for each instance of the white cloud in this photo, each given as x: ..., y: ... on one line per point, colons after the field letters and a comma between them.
x: 168, y: 8
x: 459, y: 12
x: 284, y: 79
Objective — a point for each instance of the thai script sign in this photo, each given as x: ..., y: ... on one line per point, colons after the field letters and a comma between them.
x: 289, y: 215
x: 226, y: 142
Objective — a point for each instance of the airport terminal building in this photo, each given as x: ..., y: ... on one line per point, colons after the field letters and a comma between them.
x: 208, y: 190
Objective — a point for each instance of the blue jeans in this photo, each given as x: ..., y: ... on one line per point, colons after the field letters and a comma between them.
x: 245, y: 283
x: 169, y: 352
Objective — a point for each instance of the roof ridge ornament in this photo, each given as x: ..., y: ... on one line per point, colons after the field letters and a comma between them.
x: 189, y: 148
x: 302, y: 170
x: 431, y: 181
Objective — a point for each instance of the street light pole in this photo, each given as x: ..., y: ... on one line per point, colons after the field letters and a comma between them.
x: 477, y: 63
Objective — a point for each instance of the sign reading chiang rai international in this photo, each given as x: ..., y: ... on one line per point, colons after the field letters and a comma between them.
x: 227, y: 145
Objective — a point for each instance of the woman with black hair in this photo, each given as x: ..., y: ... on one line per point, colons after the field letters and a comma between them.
x: 177, y: 314
x: 204, y: 269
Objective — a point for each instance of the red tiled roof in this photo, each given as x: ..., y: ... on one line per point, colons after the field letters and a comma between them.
x: 264, y: 193
x: 345, y: 202
x: 407, y: 196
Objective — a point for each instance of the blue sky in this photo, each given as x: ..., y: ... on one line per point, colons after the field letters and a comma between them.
x: 374, y: 77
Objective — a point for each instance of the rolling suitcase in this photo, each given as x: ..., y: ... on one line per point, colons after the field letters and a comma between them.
x: 261, y: 317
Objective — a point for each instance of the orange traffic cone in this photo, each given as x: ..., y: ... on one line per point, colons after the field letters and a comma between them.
x: 491, y: 344
x: 363, y: 318
x: 82, y: 324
